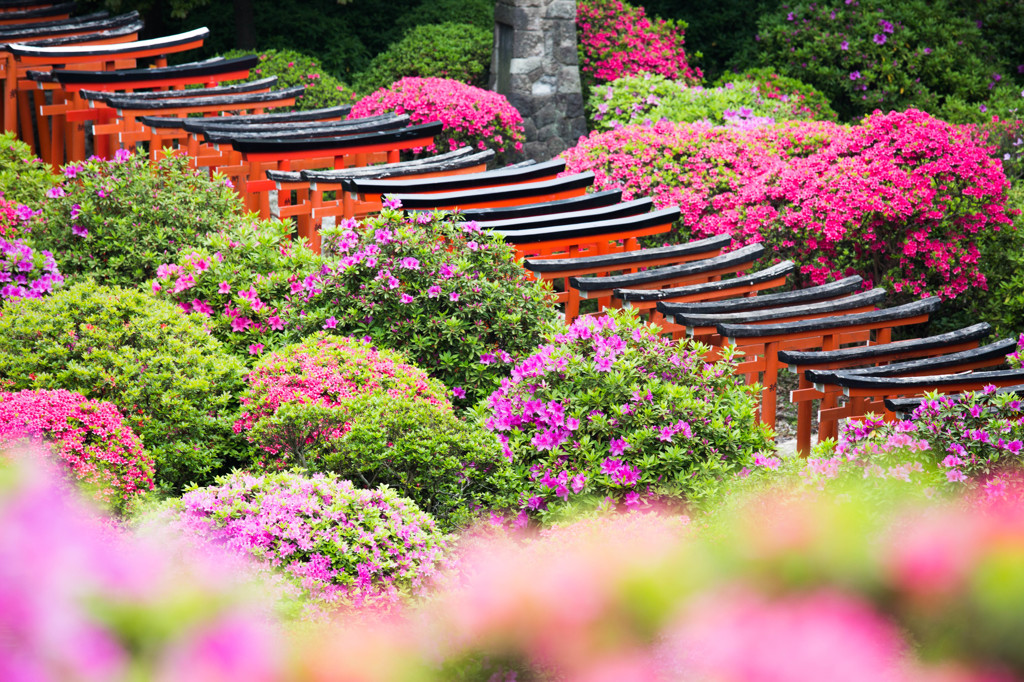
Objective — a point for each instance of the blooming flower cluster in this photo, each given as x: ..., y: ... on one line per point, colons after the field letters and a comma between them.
x: 26, y: 272
x: 897, y: 198
x: 610, y: 409
x: 88, y: 437
x: 346, y: 547
x: 14, y: 219
x: 618, y: 39
x: 471, y: 117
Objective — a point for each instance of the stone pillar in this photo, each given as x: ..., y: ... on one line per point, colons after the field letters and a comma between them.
x: 534, y: 65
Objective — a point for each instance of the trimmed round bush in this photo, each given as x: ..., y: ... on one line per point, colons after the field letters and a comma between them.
x: 458, y: 51
x: 346, y: 547
x: 26, y: 272
x: 610, y: 409
x: 89, y: 439
x: 472, y: 117
x: 420, y: 449
x: 243, y: 280
x: 116, y: 221
x: 617, y: 39
x: 24, y: 178
x: 792, y: 99
x: 295, y: 68
x: 324, y: 371
x: 900, y: 198
x: 448, y: 295
x: 175, y: 384
x: 880, y: 54
x: 649, y: 97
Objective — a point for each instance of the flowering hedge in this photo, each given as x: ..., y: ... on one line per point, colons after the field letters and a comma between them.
x: 117, y: 220
x: 242, y: 281
x: 26, y: 272
x: 649, y: 97
x: 471, y: 117
x: 174, y: 383
x: 89, y: 438
x: 618, y: 39
x: 327, y: 371
x: 15, y: 218
x: 898, y: 198
x: 610, y: 409
x: 347, y: 547
x: 449, y: 296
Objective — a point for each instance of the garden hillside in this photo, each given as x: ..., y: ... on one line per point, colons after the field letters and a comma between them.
x: 306, y: 373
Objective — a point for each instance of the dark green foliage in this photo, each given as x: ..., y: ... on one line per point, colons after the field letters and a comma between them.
x: 721, y: 33
x: 117, y: 221
x: 23, y: 177
x: 173, y: 382
x: 479, y: 13
x: 458, y: 51
x: 882, y: 54
x: 447, y: 467
x: 1002, y: 262
x: 295, y: 68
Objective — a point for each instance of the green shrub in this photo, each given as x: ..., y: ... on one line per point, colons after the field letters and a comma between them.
x: 451, y: 297
x: 1001, y: 260
x: 419, y: 449
x: 116, y: 221
x: 792, y: 99
x: 294, y: 68
x: 243, y: 279
x: 479, y: 13
x: 173, y: 382
x: 23, y: 177
x: 880, y: 54
x: 458, y: 51
x: 609, y: 411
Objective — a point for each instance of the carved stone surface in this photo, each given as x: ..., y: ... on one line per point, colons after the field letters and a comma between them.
x: 534, y: 65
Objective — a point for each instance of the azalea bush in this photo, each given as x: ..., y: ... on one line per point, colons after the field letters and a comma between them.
x: 647, y: 97
x: 323, y: 372
x: 346, y: 547
x: 445, y: 293
x: 26, y: 272
x: 24, y: 178
x: 15, y: 219
x: 452, y: 469
x: 86, y: 601
x: 618, y: 39
x: 458, y: 51
x: 789, y: 98
x: 88, y: 438
x: 900, y: 198
x: 880, y: 54
x: 295, y: 68
x: 471, y: 117
x: 116, y: 221
x: 609, y: 409
x: 176, y: 385
x: 242, y: 280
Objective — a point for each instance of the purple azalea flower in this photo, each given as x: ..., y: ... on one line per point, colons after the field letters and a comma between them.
x: 879, y: 38
x: 331, y: 322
